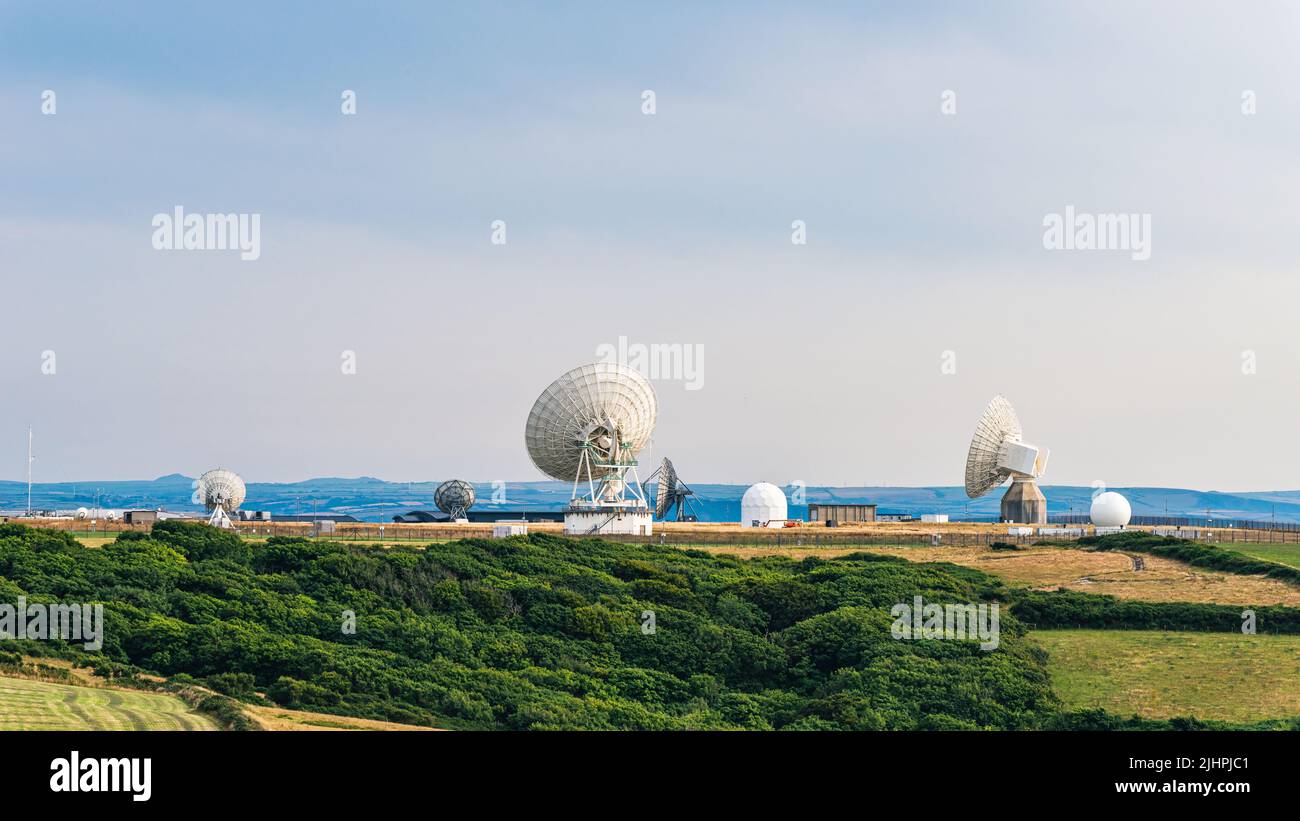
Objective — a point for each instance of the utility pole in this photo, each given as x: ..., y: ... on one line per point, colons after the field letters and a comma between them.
x: 29, y: 471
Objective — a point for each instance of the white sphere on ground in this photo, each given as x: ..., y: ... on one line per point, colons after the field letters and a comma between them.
x: 763, y: 505
x: 1110, y: 509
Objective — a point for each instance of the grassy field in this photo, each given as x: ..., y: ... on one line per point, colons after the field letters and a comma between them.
x: 1288, y: 554
x: 38, y: 705
x: 1158, y: 674
x: 100, y: 539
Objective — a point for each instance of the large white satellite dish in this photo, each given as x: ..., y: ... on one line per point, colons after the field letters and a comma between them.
x: 997, y: 453
x: 587, y: 428
x: 222, y: 492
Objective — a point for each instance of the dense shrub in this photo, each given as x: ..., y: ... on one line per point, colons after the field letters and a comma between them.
x: 1193, y: 553
x: 539, y: 632
x: 1066, y: 608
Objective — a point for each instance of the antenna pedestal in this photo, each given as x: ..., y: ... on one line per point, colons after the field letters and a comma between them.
x: 614, y: 502
x: 595, y: 520
x: 220, y: 519
x: 1024, y: 503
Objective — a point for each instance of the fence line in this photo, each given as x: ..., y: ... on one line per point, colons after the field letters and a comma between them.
x: 757, y: 537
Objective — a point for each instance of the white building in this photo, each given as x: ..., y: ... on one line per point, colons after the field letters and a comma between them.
x: 501, y: 530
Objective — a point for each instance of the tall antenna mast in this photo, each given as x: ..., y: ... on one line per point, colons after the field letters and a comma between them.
x: 30, y: 459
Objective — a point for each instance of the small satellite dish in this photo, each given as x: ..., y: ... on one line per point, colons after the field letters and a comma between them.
x: 665, y: 496
x: 587, y: 428
x: 222, y: 492
x: 997, y: 452
x: 669, y: 491
x: 454, y: 497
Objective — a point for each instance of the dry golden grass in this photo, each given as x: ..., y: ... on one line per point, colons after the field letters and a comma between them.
x: 278, y: 718
x: 789, y: 552
x: 1048, y: 568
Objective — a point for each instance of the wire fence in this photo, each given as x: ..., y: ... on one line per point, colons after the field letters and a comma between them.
x: 1187, y: 521
x: 1222, y: 531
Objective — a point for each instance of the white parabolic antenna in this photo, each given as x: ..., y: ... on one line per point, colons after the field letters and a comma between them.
x: 587, y: 428
x: 601, y: 410
x: 222, y: 492
x: 997, y: 453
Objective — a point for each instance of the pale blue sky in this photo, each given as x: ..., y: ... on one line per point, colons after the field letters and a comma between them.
x: 822, y: 361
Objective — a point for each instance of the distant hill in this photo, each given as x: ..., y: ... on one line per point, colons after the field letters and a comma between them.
x: 371, y: 499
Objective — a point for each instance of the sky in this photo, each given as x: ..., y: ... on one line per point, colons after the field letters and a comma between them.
x: 921, y: 146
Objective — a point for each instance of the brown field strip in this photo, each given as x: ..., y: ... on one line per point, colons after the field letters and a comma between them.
x: 278, y: 718
x: 1048, y: 568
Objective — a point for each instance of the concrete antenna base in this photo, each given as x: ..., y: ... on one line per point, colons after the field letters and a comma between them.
x: 1024, y: 503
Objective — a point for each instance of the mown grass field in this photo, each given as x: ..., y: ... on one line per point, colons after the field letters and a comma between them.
x: 1155, y: 674
x: 38, y: 705
x: 1288, y: 554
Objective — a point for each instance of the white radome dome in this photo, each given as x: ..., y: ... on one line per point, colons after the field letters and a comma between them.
x: 763, y: 503
x: 1110, y: 509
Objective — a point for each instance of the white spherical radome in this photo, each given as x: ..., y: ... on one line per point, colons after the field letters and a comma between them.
x: 1110, y: 509
x: 763, y: 503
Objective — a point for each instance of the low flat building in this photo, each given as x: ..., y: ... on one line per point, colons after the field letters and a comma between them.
x: 819, y: 512
x: 503, y: 530
x: 318, y: 517
x: 895, y: 517
x: 140, y: 517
